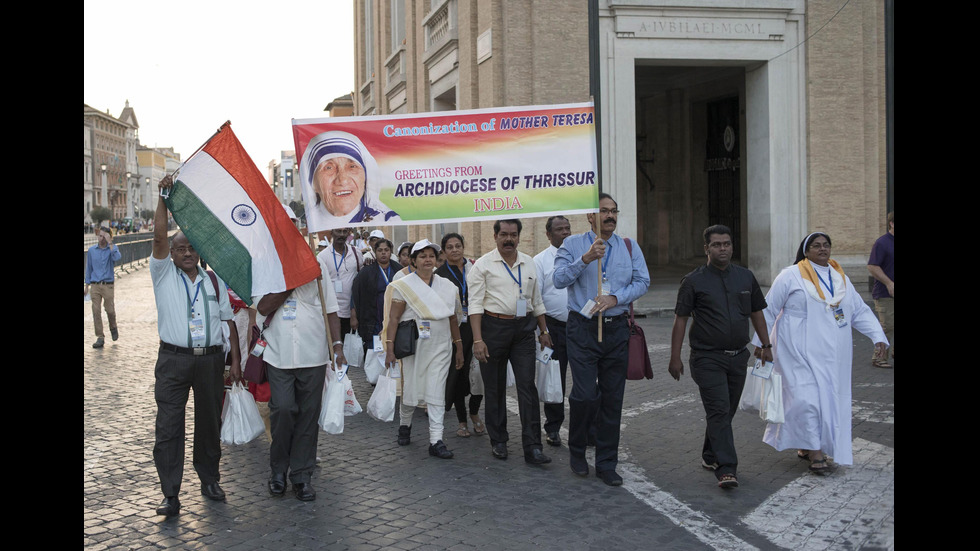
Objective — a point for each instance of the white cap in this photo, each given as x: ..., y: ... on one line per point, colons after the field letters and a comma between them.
x: 423, y: 244
x: 377, y: 233
x: 289, y: 211
x: 323, y: 243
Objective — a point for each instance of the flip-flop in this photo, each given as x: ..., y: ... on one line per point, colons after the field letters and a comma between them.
x: 479, y: 428
x: 462, y: 432
x: 878, y: 362
x: 802, y: 454
x: 820, y: 466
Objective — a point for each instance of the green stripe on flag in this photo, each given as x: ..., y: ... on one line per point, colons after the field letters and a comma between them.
x: 217, y: 246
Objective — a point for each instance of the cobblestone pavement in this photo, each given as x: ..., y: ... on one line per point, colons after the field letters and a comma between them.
x: 374, y: 494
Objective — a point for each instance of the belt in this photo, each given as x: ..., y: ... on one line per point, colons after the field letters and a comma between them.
x: 554, y: 320
x: 733, y: 352
x: 199, y: 351
x: 499, y: 316
x: 101, y: 283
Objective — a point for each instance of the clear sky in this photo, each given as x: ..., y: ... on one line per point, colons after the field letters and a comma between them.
x: 187, y: 66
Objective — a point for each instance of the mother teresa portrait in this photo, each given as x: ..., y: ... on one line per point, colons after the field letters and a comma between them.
x: 344, y: 180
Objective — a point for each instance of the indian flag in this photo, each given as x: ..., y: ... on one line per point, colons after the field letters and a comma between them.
x: 231, y: 216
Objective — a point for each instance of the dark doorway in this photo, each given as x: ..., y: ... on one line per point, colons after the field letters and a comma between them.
x: 722, y: 165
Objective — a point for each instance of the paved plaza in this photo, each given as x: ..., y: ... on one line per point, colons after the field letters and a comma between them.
x: 373, y: 494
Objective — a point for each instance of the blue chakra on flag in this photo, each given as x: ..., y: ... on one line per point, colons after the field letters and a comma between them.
x: 243, y: 215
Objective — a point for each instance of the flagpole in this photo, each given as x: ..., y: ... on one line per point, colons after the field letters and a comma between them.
x: 323, y: 305
x: 599, y: 272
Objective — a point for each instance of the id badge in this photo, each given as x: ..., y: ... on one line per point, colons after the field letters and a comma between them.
x: 377, y: 344
x: 762, y: 369
x: 197, y: 328
x: 289, y: 309
x: 544, y: 356
x: 396, y: 371
x: 259, y: 348
x: 605, y: 286
x: 425, y: 329
x: 521, y: 307
x: 839, y: 316
x: 587, y: 309
x: 338, y: 286
x: 465, y: 315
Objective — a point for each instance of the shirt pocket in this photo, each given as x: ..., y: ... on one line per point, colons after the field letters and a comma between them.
x: 743, y: 303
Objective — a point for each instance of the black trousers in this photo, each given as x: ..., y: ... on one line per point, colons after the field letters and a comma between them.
x: 175, y: 375
x: 458, y: 381
x: 554, y: 414
x: 294, y: 411
x: 598, y: 382
x: 720, y: 379
x: 511, y: 340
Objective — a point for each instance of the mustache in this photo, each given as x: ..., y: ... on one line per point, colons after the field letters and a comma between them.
x: 508, y: 243
x: 613, y: 220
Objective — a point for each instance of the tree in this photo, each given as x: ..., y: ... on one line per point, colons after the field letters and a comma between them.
x: 299, y: 209
x: 98, y: 214
x: 146, y: 214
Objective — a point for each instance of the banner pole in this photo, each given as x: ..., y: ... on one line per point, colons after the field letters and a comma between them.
x: 599, y: 272
x: 323, y: 305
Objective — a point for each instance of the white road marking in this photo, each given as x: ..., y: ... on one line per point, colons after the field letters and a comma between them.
x: 851, y: 508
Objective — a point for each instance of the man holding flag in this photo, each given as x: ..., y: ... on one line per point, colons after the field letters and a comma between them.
x: 598, y: 361
x: 190, y: 311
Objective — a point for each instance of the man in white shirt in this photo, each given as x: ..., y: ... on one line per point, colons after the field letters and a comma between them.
x: 504, y: 304
x: 298, y: 357
x: 557, y: 228
x: 191, y: 309
x: 343, y: 261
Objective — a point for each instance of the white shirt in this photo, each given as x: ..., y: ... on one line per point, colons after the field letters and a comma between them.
x: 342, y: 268
x: 492, y: 285
x: 555, y: 300
x: 302, y: 340
x: 177, y: 296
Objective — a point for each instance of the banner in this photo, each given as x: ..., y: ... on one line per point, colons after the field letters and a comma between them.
x: 449, y: 166
x: 230, y: 215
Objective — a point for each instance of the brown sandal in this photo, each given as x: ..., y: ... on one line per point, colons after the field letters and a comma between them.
x: 462, y: 431
x: 478, y: 427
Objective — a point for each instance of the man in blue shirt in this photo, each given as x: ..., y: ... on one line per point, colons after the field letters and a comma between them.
x: 598, y: 368
x: 99, y: 279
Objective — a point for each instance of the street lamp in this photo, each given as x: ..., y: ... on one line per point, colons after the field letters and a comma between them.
x: 105, y: 186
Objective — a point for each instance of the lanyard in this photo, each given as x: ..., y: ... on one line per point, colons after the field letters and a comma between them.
x: 463, y: 283
x: 342, y: 257
x: 828, y: 287
x: 196, y: 291
x: 517, y: 279
x: 602, y: 261
x: 387, y: 275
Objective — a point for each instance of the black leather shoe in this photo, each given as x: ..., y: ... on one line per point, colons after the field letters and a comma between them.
x: 404, y: 435
x: 304, y: 491
x: 536, y: 457
x: 579, y: 465
x: 440, y: 450
x: 212, y: 491
x: 99, y: 343
x: 554, y: 439
x: 169, y: 507
x: 115, y: 333
x: 499, y: 450
x: 277, y: 484
x: 610, y: 477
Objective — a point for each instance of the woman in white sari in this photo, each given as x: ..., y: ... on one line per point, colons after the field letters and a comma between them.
x: 433, y: 302
x: 813, y: 307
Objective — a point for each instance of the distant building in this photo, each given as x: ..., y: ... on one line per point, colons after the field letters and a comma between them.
x: 768, y: 116
x: 112, y: 142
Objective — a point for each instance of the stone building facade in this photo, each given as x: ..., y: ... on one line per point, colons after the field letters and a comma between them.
x: 766, y: 115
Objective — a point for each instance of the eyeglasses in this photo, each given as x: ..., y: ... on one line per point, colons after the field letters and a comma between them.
x: 608, y: 211
x: 184, y: 250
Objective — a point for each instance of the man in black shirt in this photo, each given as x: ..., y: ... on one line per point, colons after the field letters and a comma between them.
x: 722, y: 297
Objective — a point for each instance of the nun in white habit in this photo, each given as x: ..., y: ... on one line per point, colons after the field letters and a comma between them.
x: 812, y: 309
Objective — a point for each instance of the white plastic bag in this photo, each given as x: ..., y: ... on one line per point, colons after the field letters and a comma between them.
x: 752, y: 393
x: 549, y: 382
x: 332, y: 407
x: 381, y: 406
x: 510, y: 374
x: 374, y: 364
x: 354, y: 349
x: 240, y: 419
x: 772, y: 404
x: 476, y: 379
x: 351, y: 405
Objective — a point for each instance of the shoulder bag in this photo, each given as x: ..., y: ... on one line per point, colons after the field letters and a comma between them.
x: 639, y: 356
